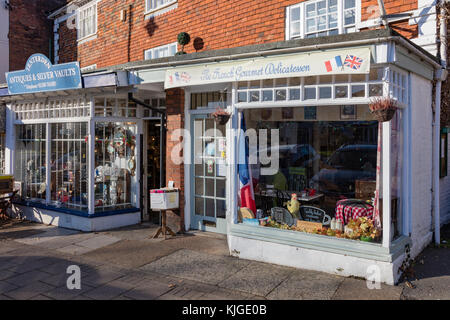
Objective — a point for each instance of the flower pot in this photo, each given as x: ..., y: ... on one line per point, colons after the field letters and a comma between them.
x: 383, y: 115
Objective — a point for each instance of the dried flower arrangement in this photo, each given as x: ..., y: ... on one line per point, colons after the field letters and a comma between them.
x: 383, y: 108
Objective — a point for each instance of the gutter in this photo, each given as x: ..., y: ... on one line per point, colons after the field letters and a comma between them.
x: 441, y: 75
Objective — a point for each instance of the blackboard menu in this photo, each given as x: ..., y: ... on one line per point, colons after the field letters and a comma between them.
x: 313, y: 214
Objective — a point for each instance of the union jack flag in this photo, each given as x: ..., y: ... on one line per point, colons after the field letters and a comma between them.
x: 353, y: 62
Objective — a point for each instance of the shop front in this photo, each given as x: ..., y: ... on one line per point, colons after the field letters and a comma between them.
x: 76, y: 152
x: 300, y: 173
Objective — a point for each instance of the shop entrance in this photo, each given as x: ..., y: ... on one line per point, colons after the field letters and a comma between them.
x: 151, y: 166
x: 208, y: 175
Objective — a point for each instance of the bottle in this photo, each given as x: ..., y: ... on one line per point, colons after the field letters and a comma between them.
x: 333, y: 224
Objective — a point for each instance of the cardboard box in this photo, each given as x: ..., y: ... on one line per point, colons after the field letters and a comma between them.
x: 164, y: 199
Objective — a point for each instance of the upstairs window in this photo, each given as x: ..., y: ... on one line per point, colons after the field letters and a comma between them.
x: 152, y: 5
x: 161, y: 51
x: 317, y: 18
x: 87, y: 21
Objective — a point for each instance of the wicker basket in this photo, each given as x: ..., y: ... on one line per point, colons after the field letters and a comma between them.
x: 221, y: 119
x: 383, y: 115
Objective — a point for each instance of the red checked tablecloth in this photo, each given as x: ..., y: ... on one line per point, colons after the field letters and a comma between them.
x: 351, y: 212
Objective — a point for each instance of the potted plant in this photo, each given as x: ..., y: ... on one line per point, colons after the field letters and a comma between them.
x: 183, y: 39
x: 383, y: 108
x: 221, y: 116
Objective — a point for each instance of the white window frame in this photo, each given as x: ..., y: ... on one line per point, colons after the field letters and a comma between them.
x: 83, y: 9
x: 151, y: 6
x: 340, y: 20
x: 88, y: 68
x: 150, y: 53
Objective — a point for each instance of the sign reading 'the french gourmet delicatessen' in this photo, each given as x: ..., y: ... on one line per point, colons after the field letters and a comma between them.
x: 345, y: 61
x: 41, y: 75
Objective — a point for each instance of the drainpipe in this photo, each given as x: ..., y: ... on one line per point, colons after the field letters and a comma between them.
x: 441, y: 76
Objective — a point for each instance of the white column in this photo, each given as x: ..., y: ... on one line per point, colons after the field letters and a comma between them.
x: 91, y: 167
x: 386, y: 194
x: 10, y: 140
x: 48, y: 172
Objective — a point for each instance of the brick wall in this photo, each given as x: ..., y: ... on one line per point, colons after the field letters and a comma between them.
x: 175, y: 120
x: 215, y: 23
x: 29, y: 29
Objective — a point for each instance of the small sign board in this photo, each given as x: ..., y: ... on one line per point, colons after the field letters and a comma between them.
x: 308, y: 226
x: 313, y: 214
x: 281, y: 215
x: 41, y: 75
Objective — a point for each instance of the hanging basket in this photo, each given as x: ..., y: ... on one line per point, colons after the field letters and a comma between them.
x: 221, y: 118
x: 383, y: 109
x: 384, y: 115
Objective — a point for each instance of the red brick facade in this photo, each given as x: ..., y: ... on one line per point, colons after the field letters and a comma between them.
x: 216, y: 24
x: 29, y: 30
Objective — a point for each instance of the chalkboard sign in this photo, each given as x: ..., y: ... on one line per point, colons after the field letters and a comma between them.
x: 281, y: 215
x: 314, y: 214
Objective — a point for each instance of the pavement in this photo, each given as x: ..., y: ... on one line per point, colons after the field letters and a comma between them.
x: 128, y: 264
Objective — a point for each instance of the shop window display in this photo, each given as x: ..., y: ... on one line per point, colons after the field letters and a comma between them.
x: 325, y: 174
x: 115, y: 165
x: 68, y: 165
x: 30, y: 167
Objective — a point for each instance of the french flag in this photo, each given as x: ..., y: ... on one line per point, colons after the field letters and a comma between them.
x: 334, y: 64
x: 245, y: 179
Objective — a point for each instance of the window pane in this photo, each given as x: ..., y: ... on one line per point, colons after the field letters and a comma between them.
x: 310, y: 10
x: 358, y: 91
x: 254, y: 96
x: 321, y: 7
x: 310, y: 93
x: 322, y: 23
x: 349, y: 17
x: 332, y: 5
x: 325, y: 93
x: 294, y: 94
x: 341, y: 91
x: 311, y: 25
x: 295, y: 14
x: 349, y: 4
x: 267, y: 95
x: 375, y: 90
x: 280, y: 95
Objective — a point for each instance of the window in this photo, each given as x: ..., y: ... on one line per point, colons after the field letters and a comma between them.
x: 116, y: 184
x: 161, y: 51
x: 152, y: 5
x: 78, y: 107
x: 321, y: 18
x: 30, y: 168
x: 68, y: 165
x: 443, y: 153
x: 87, y: 20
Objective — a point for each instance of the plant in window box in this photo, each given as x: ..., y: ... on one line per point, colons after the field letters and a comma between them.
x: 383, y: 108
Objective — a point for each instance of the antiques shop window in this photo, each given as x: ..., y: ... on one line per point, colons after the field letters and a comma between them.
x: 69, y: 165
x: 30, y: 167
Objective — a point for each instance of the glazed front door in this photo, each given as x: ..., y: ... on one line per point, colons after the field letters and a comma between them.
x: 208, y: 175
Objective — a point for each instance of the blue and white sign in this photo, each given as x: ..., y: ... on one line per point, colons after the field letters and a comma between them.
x: 41, y: 75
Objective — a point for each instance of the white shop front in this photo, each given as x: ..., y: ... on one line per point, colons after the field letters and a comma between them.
x: 310, y: 132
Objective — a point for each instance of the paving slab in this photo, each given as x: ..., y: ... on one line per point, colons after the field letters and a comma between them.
x: 63, y: 293
x: 74, y: 249
x: 6, y: 286
x: 109, y: 291
x: 27, y: 278
x: 257, y: 278
x: 47, y: 234
x: 131, y: 253
x: 98, y: 241
x: 356, y: 289
x: 41, y: 297
x: 29, y: 291
x: 5, y: 274
x: 306, y: 285
x: 3, y: 297
x: 100, y: 277
x: 148, y: 291
x: 197, y: 266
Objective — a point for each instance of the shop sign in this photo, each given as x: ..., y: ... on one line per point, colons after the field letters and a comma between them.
x: 41, y: 75
x: 345, y: 61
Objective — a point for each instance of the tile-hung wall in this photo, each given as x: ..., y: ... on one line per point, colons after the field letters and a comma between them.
x: 210, y: 26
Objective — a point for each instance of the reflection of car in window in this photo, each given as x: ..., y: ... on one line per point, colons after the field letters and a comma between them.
x: 346, y: 164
